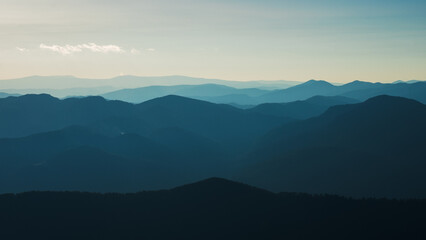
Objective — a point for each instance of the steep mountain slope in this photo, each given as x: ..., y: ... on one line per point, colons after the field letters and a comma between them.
x: 211, y: 209
x: 375, y: 148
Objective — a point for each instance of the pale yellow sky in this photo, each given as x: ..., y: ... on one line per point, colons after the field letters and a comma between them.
x: 338, y: 41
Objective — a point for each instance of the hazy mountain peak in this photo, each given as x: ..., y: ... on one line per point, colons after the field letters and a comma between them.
x: 50, y: 77
x: 357, y: 82
x: 398, y: 81
x: 316, y: 82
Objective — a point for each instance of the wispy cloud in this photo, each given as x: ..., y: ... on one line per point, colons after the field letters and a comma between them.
x: 151, y: 49
x: 70, y: 49
x: 64, y: 50
x: 21, y: 49
x: 102, y: 48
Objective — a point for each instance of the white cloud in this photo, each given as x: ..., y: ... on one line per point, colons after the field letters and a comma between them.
x: 102, y: 48
x: 70, y: 49
x: 64, y: 50
x: 21, y: 49
x: 151, y: 49
x: 134, y: 51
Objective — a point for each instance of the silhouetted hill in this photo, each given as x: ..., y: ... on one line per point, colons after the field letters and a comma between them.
x: 159, y: 143
x: 218, y: 187
x: 221, y: 123
x: 311, y: 107
x: 29, y: 114
x: 375, y: 148
x: 210, y: 209
x: 78, y: 158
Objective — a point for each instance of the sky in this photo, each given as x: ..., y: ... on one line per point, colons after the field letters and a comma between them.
x: 333, y: 40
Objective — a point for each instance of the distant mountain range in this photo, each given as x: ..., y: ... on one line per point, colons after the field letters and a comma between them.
x: 210, y: 209
x: 63, y: 86
x: 60, y: 93
x: 243, y: 94
x: 409, y: 81
x: 208, y: 92
x: 356, y: 90
x: 374, y: 148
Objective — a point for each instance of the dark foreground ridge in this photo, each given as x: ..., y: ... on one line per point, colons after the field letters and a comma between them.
x: 211, y: 209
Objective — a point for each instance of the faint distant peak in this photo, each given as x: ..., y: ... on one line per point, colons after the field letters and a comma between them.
x: 358, y: 83
x: 415, y: 81
x: 317, y: 82
x: 409, y: 81
x: 48, y: 77
x: 398, y: 81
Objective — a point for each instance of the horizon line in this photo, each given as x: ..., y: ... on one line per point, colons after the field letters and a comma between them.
x: 206, y: 78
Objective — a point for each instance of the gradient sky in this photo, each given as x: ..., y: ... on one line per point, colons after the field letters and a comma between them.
x: 334, y: 40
